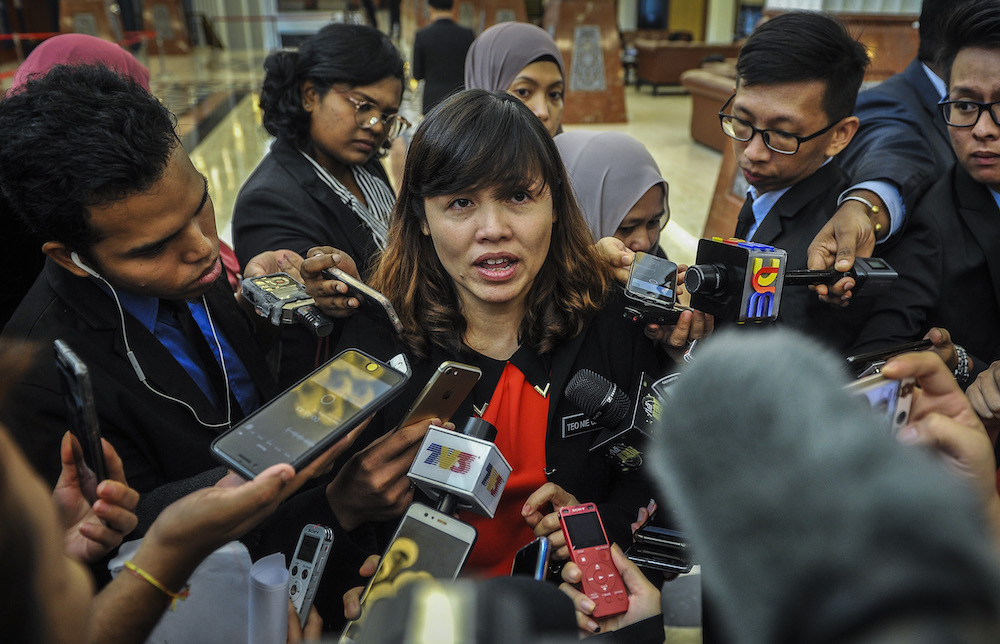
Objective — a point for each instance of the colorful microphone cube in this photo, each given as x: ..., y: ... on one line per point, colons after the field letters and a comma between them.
x: 737, y: 280
x: 470, y: 468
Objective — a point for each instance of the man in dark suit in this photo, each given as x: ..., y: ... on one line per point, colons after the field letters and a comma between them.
x: 439, y: 54
x: 133, y: 283
x: 961, y: 209
x: 797, y: 80
x: 900, y: 149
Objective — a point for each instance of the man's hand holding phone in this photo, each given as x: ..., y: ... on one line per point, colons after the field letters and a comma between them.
x: 330, y: 295
x: 372, y: 485
x: 92, y: 531
x: 943, y: 418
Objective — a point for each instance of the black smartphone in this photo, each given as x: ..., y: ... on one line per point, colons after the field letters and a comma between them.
x: 371, y: 303
x: 427, y: 545
x: 881, y: 355
x: 660, y: 549
x: 304, y: 421
x: 82, y: 414
x: 532, y: 560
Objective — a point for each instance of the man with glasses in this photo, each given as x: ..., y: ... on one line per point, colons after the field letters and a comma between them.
x: 797, y: 81
x: 901, y: 148
x: 961, y: 209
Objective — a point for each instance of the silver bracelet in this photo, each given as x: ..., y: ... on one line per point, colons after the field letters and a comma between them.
x: 961, y: 372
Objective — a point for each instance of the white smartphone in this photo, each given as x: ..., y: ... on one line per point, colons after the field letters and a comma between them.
x: 304, y: 421
x: 306, y: 568
x: 444, y: 393
x: 427, y: 545
x: 889, y: 399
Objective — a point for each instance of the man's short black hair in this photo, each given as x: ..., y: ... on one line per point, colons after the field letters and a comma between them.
x: 441, y: 5
x: 976, y: 24
x: 934, y: 16
x: 806, y: 46
x: 79, y: 137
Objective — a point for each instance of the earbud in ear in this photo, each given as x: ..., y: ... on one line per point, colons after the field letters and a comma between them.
x: 79, y: 262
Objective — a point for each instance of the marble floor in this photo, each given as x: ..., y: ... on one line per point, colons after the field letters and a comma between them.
x: 212, y: 94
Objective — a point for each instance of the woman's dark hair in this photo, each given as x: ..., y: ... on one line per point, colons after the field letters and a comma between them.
x: 475, y: 140
x: 338, y: 53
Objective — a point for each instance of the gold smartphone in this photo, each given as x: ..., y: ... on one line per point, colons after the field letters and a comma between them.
x: 444, y: 393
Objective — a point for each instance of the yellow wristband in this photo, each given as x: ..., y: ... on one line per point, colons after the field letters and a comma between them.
x: 136, y: 571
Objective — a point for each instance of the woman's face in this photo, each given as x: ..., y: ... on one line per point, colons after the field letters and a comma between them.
x: 338, y: 141
x: 492, y: 245
x: 640, y: 229
x: 540, y: 86
x: 64, y: 586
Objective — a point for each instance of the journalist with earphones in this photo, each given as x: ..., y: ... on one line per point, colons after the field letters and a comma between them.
x: 134, y: 285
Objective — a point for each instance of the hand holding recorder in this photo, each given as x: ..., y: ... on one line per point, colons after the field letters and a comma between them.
x: 590, y: 550
x: 643, y: 597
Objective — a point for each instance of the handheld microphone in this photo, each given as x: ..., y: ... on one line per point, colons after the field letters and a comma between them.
x: 809, y: 524
x: 743, y: 281
x: 621, y: 418
x: 462, y: 468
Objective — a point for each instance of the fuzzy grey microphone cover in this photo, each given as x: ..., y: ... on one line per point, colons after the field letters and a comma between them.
x: 810, y: 522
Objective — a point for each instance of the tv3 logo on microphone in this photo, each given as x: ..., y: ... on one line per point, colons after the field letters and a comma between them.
x: 459, y: 462
x: 763, y: 281
x: 448, y: 458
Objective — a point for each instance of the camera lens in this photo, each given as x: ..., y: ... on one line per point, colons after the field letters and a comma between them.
x: 704, y: 279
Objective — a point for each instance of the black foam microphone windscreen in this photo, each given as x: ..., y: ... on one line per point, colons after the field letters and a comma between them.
x: 600, y: 399
x: 810, y: 522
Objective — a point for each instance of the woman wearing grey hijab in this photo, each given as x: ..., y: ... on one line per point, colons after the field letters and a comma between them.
x: 618, y: 186
x: 523, y: 60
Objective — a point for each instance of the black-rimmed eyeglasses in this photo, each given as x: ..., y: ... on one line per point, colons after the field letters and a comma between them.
x: 967, y: 113
x: 367, y: 114
x: 776, y: 140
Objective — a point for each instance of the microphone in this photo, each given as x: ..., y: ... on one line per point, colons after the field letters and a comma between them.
x: 622, y: 418
x: 743, y: 281
x: 462, y: 468
x: 809, y: 524
x: 600, y: 399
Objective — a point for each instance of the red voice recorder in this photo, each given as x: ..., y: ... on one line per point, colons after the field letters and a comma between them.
x: 590, y: 550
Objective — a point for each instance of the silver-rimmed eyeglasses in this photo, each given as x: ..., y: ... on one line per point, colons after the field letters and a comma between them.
x: 967, y: 113
x: 776, y: 140
x: 367, y: 114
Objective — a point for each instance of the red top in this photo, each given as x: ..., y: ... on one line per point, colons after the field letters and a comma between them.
x: 520, y: 414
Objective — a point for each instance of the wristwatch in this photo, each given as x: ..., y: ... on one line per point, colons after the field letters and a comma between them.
x: 962, y: 370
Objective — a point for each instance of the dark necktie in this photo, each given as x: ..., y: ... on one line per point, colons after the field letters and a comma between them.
x: 210, y: 363
x: 745, y: 220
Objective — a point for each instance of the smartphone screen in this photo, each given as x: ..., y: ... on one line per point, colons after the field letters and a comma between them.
x: 653, y: 279
x: 82, y: 416
x: 427, y: 545
x: 301, y: 423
